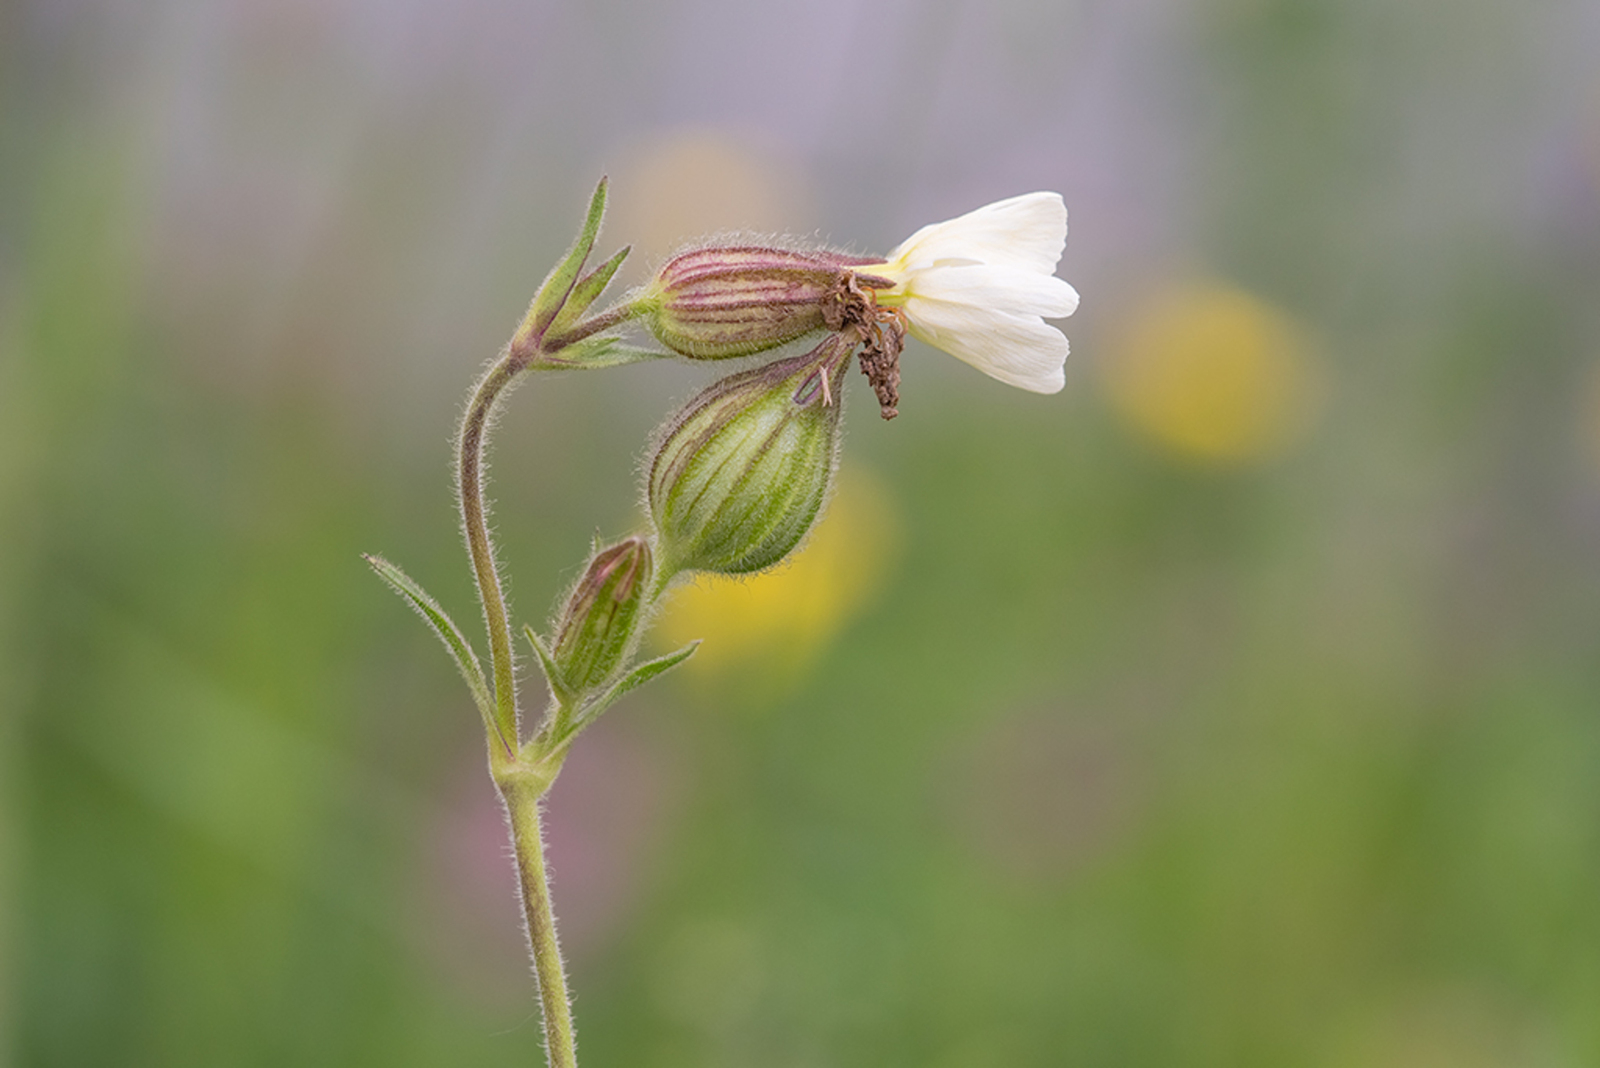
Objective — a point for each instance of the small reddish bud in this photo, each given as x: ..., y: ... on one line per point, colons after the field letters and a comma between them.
x: 601, y: 621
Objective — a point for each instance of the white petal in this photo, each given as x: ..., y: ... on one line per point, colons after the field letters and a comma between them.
x: 1000, y: 289
x: 1018, y: 350
x: 1027, y: 232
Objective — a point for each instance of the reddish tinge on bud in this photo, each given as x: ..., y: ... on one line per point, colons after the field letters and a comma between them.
x: 718, y: 303
x: 601, y: 620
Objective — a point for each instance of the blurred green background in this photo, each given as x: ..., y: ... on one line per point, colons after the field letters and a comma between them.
x: 1238, y: 706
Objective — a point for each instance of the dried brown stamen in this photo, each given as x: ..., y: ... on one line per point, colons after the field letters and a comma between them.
x: 881, y: 332
x: 880, y: 358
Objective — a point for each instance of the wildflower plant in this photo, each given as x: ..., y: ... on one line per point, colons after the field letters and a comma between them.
x: 738, y: 476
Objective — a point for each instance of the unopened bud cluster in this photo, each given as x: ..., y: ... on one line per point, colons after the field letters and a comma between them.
x: 739, y: 475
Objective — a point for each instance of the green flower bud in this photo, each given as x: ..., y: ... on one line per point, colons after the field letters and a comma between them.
x: 601, y: 620
x: 742, y: 471
x: 716, y: 303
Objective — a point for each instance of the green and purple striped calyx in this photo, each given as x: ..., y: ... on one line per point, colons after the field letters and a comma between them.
x: 742, y: 471
x: 721, y: 302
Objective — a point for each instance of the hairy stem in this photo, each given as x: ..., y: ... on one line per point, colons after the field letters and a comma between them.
x: 521, y: 777
x: 480, y: 547
x: 521, y: 793
x: 605, y: 320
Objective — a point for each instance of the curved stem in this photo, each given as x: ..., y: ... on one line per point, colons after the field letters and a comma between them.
x: 474, y: 522
x: 521, y: 779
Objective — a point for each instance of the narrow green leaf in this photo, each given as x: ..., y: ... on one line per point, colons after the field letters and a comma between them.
x: 444, y: 627
x: 547, y: 660
x: 636, y: 678
x: 652, y: 668
x: 553, y: 294
x: 643, y: 673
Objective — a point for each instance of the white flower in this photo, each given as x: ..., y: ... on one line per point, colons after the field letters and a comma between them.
x: 979, y: 287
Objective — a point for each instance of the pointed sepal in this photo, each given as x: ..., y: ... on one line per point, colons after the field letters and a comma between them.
x: 548, y: 302
x: 547, y: 661
x: 585, y: 292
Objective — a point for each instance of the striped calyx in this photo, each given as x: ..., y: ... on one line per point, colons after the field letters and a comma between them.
x: 743, y: 470
x: 721, y: 302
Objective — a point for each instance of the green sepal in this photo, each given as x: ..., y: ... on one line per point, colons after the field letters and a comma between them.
x: 547, y: 661
x: 593, y: 353
x: 586, y: 292
x: 444, y: 627
x: 547, y: 303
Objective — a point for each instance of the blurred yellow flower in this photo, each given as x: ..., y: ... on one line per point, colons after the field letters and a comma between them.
x: 1214, y: 373
x: 779, y: 620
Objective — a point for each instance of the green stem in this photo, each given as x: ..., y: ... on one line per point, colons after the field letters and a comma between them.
x: 605, y: 320
x: 522, y: 779
x: 521, y: 791
x: 474, y: 522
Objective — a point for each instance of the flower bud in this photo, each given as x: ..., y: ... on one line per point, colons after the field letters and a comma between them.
x: 742, y: 471
x: 602, y: 617
x: 716, y: 303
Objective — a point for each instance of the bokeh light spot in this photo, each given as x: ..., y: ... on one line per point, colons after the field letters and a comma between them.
x: 779, y: 620
x: 696, y: 182
x: 1215, y: 374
